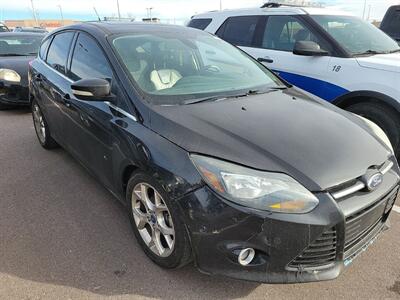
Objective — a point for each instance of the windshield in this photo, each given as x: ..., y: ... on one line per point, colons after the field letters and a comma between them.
x: 357, y: 36
x: 173, y: 68
x: 19, y: 45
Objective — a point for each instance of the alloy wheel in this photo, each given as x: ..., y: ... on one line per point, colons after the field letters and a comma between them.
x: 153, y: 220
x: 39, y: 124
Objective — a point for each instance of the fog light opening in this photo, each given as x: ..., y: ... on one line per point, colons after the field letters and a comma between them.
x: 246, y: 256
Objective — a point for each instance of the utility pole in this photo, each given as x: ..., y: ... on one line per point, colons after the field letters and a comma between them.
x: 119, y: 13
x: 369, y: 12
x: 34, y: 13
x: 61, y: 13
x: 365, y: 7
x: 220, y: 4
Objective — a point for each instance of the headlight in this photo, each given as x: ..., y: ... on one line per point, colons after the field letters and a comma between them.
x: 378, y: 132
x: 256, y: 189
x: 9, y: 75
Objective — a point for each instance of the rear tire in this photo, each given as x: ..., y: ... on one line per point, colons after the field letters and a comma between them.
x: 156, y: 223
x: 384, y: 117
x: 42, y: 128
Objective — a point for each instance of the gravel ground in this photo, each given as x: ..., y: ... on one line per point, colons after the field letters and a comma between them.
x: 63, y: 236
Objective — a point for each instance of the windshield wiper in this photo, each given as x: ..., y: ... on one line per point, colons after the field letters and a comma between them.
x: 374, y: 52
x: 218, y: 98
x: 270, y: 89
x: 199, y: 100
x: 248, y: 93
x: 279, y: 88
x: 370, y: 52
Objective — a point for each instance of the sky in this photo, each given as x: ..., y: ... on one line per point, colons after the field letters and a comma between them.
x: 168, y: 10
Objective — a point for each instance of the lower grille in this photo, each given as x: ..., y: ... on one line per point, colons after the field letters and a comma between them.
x: 362, y: 226
x: 360, y: 229
x: 321, y: 253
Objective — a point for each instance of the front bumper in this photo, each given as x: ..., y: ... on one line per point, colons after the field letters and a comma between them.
x: 13, y: 94
x: 289, y: 248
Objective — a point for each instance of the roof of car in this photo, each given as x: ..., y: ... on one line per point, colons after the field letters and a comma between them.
x: 124, y: 27
x: 282, y: 10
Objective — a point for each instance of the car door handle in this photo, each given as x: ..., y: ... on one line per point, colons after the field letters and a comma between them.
x: 265, y: 60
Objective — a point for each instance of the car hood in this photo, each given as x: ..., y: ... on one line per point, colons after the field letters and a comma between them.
x: 385, y: 62
x: 318, y: 144
x: 20, y: 64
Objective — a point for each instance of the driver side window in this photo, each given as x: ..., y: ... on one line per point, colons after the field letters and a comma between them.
x: 88, y: 60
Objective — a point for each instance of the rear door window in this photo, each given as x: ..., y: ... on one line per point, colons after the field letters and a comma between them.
x: 239, y: 31
x: 59, y: 49
x: 199, y: 23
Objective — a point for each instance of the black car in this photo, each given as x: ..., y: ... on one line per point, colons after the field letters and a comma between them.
x: 3, y: 28
x: 217, y: 160
x: 31, y: 29
x: 16, y: 51
x: 391, y: 22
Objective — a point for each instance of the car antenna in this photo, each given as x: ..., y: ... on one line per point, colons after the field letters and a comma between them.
x: 95, y: 10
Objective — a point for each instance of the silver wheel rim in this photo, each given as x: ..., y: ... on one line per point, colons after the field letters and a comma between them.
x: 153, y: 220
x: 39, y: 123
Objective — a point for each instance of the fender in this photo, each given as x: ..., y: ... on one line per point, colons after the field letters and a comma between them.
x: 355, y: 97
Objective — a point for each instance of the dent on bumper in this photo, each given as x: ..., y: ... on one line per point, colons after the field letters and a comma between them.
x: 14, y: 94
x: 218, y: 229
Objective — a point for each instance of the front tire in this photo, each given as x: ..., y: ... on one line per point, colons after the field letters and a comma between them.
x: 42, y: 128
x: 384, y: 117
x: 156, y: 223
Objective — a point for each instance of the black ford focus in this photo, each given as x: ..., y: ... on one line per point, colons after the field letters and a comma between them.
x: 16, y: 51
x: 218, y: 161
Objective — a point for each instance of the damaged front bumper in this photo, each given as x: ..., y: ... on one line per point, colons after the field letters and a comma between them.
x: 13, y: 94
x: 288, y: 248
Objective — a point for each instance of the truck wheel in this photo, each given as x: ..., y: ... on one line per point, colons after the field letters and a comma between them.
x: 384, y: 117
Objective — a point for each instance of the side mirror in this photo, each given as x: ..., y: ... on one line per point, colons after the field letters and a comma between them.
x: 95, y: 89
x: 308, y: 48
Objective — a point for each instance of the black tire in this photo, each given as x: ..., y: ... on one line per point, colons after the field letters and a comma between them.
x: 181, y: 254
x: 383, y: 116
x: 45, y: 140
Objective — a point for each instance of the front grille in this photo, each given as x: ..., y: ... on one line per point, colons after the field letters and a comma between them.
x: 360, y: 229
x: 321, y: 253
x: 362, y: 226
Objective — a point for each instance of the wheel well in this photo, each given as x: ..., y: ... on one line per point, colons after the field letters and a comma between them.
x: 31, y: 97
x: 126, y: 175
x: 364, y: 99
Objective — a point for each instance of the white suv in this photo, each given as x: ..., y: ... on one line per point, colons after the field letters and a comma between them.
x: 330, y: 54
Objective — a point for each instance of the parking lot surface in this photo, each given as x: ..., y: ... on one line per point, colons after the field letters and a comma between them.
x: 63, y: 236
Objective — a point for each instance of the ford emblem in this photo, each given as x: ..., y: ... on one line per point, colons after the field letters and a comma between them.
x: 374, y: 181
